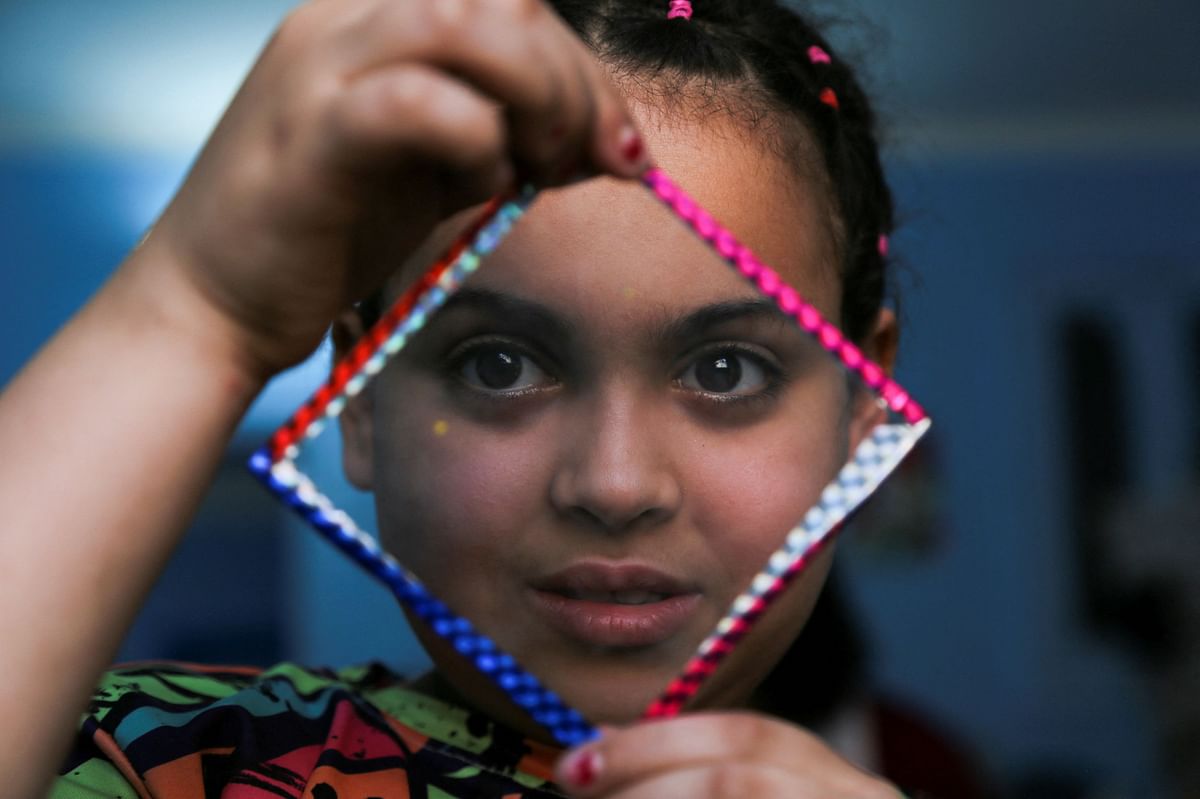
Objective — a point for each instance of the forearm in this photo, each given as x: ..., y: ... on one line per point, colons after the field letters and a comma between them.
x: 110, y: 437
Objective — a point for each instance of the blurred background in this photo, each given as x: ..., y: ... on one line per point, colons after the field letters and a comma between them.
x: 1030, y: 582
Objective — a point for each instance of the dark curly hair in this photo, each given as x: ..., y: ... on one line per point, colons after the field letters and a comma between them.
x: 755, y: 57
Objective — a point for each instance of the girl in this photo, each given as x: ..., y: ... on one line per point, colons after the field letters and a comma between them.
x: 590, y: 479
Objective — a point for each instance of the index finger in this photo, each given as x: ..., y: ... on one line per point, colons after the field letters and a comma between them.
x: 563, y: 111
x: 642, y: 752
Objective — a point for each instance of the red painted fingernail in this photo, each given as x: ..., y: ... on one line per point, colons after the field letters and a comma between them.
x: 632, y: 148
x: 584, y: 768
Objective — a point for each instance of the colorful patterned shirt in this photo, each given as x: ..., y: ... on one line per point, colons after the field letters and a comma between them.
x: 196, y: 732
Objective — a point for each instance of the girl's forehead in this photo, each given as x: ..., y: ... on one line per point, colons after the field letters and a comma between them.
x: 582, y: 247
x: 608, y: 240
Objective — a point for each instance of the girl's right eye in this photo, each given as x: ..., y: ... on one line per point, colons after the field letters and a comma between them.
x: 500, y: 368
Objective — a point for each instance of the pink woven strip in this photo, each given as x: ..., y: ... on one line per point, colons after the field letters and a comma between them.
x: 787, y: 298
x: 699, y: 668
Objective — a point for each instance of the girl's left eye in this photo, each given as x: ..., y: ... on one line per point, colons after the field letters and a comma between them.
x: 727, y: 372
x: 500, y: 368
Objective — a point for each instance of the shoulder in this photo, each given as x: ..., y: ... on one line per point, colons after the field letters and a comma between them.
x: 134, y: 700
x: 179, y: 730
x: 170, y: 729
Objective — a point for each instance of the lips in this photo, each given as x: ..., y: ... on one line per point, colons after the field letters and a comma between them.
x: 629, y: 597
x: 615, y: 605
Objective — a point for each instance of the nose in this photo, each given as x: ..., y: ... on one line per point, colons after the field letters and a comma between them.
x: 614, y: 473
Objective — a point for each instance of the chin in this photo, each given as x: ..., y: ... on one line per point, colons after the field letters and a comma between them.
x: 613, y: 701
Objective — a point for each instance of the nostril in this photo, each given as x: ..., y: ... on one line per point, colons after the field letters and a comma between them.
x: 611, y: 522
x: 587, y: 517
x: 611, y: 476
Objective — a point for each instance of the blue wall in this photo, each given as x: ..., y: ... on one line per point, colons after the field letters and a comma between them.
x: 1002, y: 236
x: 990, y: 630
x: 67, y: 218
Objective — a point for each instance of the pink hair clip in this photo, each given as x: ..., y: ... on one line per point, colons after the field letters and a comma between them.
x: 818, y: 56
x: 680, y: 8
x: 884, y: 245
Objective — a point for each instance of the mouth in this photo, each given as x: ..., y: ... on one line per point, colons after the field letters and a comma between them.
x: 615, y: 606
x: 630, y: 597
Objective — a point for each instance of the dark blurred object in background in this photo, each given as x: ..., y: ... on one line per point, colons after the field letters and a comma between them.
x: 1155, y: 542
x: 823, y: 683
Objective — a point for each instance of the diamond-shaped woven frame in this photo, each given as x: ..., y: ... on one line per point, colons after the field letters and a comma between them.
x: 873, y: 460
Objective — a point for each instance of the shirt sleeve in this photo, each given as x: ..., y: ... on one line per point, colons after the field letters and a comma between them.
x: 90, y: 771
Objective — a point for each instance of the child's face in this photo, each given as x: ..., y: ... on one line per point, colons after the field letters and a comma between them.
x: 568, y: 455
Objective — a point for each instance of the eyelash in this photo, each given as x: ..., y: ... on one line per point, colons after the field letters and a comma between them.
x: 460, y: 357
x: 773, y: 375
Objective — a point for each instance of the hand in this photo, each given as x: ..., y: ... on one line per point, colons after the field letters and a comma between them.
x: 363, y: 124
x: 714, y: 756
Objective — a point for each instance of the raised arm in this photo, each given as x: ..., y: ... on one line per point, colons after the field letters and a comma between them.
x: 364, y: 120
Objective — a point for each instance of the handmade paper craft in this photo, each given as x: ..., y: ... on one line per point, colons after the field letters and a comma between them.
x: 902, y: 423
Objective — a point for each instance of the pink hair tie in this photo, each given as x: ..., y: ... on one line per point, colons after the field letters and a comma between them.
x: 884, y: 245
x: 817, y: 55
x: 680, y: 8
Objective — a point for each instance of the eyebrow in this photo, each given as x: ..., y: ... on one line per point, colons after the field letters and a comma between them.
x: 534, y: 317
x: 702, y: 319
x: 551, y: 326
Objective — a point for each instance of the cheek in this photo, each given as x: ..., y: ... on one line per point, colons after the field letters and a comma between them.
x: 753, y: 492
x: 448, y: 493
x: 488, y: 485
x: 748, y: 492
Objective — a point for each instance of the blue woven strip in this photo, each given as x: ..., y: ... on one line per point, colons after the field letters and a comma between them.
x: 543, y: 705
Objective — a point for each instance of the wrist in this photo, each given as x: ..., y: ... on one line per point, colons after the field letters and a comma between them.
x: 157, y: 297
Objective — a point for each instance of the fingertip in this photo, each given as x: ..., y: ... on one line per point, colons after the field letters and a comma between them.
x: 579, y: 768
x: 620, y: 147
x: 630, y: 144
x: 630, y: 158
x: 622, y: 154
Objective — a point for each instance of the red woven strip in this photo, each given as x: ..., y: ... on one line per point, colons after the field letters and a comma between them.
x: 293, y: 429
x: 685, y: 686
